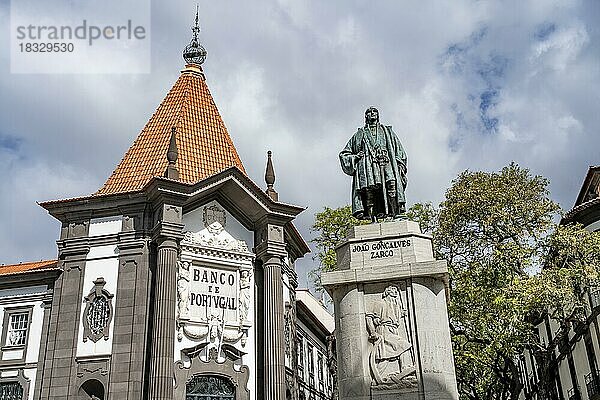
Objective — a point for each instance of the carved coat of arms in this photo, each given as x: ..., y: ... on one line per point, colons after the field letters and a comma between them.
x: 214, y: 219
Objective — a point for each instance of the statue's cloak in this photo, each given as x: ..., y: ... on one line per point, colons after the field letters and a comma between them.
x: 363, y: 169
x: 392, y: 331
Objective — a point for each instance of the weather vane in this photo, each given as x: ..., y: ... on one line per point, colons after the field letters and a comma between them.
x: 195, y: 53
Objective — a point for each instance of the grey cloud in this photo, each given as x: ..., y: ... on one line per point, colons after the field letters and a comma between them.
x: 295, y: 78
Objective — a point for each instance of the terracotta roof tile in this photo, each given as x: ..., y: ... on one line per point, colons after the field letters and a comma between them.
x: 203, y: 143
x: 27, y: 267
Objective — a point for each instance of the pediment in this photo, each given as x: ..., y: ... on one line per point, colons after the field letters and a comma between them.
x: 247, y: 202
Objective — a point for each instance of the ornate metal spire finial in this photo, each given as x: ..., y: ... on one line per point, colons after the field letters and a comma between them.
x: 195, y: 53
x: 172, y: 154
x: 270, y: 178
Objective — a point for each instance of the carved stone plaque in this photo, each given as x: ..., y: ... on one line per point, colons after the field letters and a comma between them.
x: 214, y: 284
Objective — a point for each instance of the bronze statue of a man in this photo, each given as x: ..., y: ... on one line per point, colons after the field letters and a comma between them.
x: 374, y: 157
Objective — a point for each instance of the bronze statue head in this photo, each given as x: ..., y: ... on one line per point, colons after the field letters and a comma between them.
x: 371, y: 116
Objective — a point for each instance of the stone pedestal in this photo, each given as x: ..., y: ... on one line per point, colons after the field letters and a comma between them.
x: 389, y: 293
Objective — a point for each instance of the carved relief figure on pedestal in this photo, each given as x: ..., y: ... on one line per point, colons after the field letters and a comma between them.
x: 287, y: 329
x: 391, y: 359
x: 244, y: 298
x: 183, y: 288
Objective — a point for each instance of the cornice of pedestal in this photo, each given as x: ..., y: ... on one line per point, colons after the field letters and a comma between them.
x: 435, y: 269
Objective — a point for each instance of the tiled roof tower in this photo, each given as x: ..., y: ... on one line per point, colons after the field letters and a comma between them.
x: 204, y: 146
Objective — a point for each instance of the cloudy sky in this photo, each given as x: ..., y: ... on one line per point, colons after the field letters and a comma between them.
x: 465, y: 84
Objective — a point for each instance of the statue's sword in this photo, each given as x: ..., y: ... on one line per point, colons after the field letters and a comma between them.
x: 382, y: 160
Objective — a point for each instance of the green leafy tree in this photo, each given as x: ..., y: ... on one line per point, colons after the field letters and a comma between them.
x: 332, y: 225
x: 491, y: 228
x: 510, y: 265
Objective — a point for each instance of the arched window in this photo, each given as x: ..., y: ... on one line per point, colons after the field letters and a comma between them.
x: 209, y: 387
x: 91, y: 389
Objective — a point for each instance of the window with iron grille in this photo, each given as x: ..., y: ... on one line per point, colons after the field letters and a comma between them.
x: 209, y: 387
x: 14, y: 387
x: 573, y: 394
x: 300, y: 355
x: 11, y: 391
x: 320, y: 372
x: 592, y: 383
x: 310, y: 364
x: 311, y: 360
x: 18, y: 324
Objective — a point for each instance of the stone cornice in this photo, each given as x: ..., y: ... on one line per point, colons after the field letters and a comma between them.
x: 215, y: 252
x: 167, y: 229
x: 437, y: 269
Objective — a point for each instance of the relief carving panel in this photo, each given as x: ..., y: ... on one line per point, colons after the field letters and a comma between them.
x: 391, y: 354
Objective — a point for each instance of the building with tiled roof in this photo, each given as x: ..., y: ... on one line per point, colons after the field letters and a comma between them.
x: 12, y: 269
x: 175, y: 280
x: 586, y: 209
x: 576, y: 373
x: 25, y: 300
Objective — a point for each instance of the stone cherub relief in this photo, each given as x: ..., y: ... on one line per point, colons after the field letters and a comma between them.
x: 244, y: 296
x: 391, y: 359
x: 183, y: 288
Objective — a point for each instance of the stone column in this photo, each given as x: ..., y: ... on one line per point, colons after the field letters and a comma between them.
x: 60, y: 369
x: 163, y: 331
x: 47, y: 305
x: 274, y: 345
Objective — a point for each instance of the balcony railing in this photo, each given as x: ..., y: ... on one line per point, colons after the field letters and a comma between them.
x: 573, y: 394
x: 593, y: 385
x: 595, y: 298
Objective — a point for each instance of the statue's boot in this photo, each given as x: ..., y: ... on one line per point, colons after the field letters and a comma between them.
x: 371, y: 211
x: 369, y: 201
x: 401, y: 214
x: 402, y: 208
x: 392, y: 206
